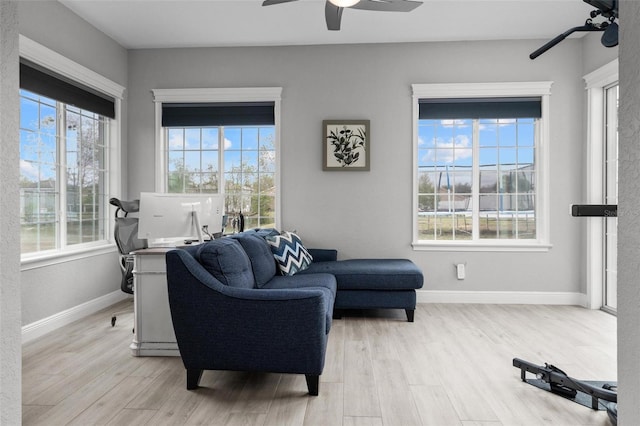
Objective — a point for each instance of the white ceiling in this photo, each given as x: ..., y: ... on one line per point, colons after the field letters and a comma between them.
x: 139, y: 24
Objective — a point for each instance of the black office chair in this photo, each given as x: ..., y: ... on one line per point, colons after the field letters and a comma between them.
x: 126, y: 238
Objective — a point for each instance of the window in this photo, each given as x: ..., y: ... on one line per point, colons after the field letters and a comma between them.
x: 479, y: 165
x: 68, y: 136
x: 225, y: 147
x: 193, y: 159
x: 62, y: 174
x: 249, y: 174
x: 248, y: 155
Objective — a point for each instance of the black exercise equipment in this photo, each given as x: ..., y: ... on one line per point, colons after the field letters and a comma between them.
x: 608, y: 9
x: 588, y: 393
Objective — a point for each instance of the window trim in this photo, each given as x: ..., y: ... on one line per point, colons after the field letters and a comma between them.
x: 47, y: 58
x: 217, y: 95
x: 489, y: 90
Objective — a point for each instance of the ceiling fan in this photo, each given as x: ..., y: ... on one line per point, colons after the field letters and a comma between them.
x: 333, y: 8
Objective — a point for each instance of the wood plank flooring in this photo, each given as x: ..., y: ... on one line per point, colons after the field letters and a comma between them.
x: 452, y: 366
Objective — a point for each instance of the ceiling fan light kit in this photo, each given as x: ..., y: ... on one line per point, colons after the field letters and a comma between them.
x: 344, y: 3
x: 334, y: 8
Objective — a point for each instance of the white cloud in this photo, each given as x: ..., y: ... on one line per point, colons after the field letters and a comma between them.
x: 28, y: 170
x: 460, y: 145
x: 460, y: 141
x: 501, y: 122
x: 176, y: 140
x: 454, y: 123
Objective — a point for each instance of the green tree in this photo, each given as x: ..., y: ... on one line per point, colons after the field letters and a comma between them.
x: 426, y: 188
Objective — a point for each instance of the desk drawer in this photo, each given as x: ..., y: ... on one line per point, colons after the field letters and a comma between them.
x: 150, y: 264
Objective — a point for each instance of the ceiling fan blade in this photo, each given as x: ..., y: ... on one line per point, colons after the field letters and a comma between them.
x: 387, y: 5
x: 333, y: 16
x: 271, y: 2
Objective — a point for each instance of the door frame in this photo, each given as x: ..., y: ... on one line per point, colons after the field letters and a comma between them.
x: 596, y: 84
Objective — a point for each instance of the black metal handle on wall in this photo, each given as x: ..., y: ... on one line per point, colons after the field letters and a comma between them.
x: 594, y: 210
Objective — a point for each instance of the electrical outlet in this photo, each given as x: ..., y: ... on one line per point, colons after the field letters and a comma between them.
x: 460, y: 271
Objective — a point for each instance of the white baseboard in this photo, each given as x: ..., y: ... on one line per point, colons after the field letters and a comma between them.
x: 502, y: 297
x: 46, y: 325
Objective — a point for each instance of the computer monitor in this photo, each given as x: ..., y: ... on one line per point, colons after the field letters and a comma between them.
x: 170, y: 219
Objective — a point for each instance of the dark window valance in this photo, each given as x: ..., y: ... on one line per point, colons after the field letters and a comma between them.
x: 37, y: 79
x: 480, y: 108
x: 217, y: 114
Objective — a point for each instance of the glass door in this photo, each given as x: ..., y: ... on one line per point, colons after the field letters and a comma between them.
x: 610, y: 302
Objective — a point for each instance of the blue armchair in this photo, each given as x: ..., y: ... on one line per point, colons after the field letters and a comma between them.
x: 227, y: 318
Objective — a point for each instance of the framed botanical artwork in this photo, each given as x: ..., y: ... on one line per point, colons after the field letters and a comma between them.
x: 346, y: 145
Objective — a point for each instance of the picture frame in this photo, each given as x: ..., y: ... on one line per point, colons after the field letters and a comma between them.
x: 346, y: 145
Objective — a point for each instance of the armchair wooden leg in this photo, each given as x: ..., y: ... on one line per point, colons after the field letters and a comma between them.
x: 410, y: 313
x: 193, y: 379
x: 313, y: 384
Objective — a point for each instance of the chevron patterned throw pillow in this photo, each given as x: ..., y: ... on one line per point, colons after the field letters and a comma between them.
x: 290, y: 254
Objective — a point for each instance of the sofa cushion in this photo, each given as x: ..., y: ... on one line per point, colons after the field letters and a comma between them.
x: 323, y: 255
x: 327, y: 281
x: 266, y: 232
x: 324, y: 282
x: 290, y: 254
x: 227, y: 261
x: 259, y: 252
x: 371, y: 274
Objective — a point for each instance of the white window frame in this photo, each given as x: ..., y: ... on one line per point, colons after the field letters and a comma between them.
x: 596, y: 84
x: 218, y: 95
x: 540, y: 89
x: 63, y: 66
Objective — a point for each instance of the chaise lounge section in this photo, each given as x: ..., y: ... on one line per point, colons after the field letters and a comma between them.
x: 370, y: 283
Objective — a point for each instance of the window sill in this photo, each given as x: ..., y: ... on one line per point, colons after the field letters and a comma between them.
x: 507, y: 246
x: 55, y: 257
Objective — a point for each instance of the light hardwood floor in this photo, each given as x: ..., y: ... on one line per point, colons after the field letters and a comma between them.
x: 452, y: 366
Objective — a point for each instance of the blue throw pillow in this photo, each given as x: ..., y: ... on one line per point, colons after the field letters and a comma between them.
x: 290, y: 254
x: 227, y: 261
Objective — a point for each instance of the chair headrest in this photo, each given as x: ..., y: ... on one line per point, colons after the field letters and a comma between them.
x: 126, y: 206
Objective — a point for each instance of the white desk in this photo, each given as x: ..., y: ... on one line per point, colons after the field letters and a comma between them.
x: 153, y: 329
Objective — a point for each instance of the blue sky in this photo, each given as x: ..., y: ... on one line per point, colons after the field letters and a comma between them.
x: 186, y: 143
x: 37, y: 137
x: 443, y: 143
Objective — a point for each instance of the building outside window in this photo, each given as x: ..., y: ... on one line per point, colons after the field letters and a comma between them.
x: 479, y: 166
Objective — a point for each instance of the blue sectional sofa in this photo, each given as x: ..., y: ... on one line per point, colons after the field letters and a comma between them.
x: 233, y: 310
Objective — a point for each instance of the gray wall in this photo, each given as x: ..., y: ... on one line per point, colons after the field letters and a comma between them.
x: 369, y: 214
x: 594, y: 55
x: 50, y: 290
x: 10, y: 335
x: 629, y: 220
